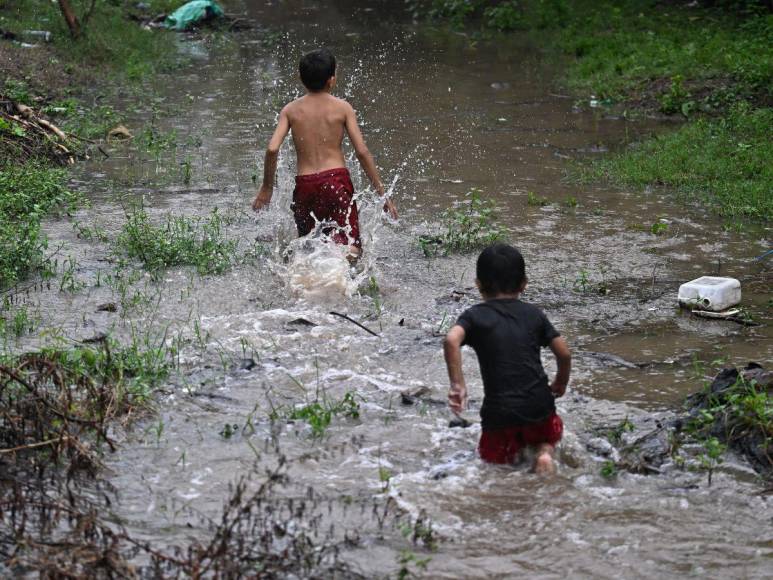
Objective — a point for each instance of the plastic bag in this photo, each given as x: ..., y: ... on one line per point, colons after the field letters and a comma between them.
x: 192, y: 13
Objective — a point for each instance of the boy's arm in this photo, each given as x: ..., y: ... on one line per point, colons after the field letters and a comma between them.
x: 564, y: 362
x: 452, y: 349
x: 263, y: 198
x: 366, y: 159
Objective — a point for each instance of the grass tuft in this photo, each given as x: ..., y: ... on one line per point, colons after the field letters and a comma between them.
x: 723, y: 163
x: 178, y: 241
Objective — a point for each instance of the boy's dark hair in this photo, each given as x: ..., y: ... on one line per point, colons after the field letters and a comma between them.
x: 316, y: 68
x: 500, y: 269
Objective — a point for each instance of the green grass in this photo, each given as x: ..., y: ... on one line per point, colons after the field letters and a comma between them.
x: 319, y: 413
x: 621, y: 49
x: 468, y: 226
x: 692, y: 61
x: 178, y: 241
x: 725, y: 163
x: 27, y: 196
x: 109, y: 39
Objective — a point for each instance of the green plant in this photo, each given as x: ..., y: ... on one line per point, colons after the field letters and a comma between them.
x: 536, y: 200
x: 468, y: 226
x: 615, y: 434
x: 677, y: 98
x: 27, y: 195
x: 69, y: 282
x: 178, y: 241
x: 582, y: 281
x: 319, y: 413
x: 410, y: 565
x: 711, y: 457
x: 608, y: 469
x: 659, y: 228
x: 384, y: 476
x: 570, y: 201
x: 15, y: 321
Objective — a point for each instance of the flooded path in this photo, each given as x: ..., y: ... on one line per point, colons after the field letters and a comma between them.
x: 442, y: 114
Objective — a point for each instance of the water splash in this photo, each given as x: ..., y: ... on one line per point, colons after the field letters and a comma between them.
x: 313, y: 267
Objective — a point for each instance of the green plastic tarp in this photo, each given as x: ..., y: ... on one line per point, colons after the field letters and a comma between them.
x: 191, y: 13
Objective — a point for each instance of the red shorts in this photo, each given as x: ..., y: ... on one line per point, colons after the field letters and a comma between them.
x: 327, y: 196
x: 503, y: 445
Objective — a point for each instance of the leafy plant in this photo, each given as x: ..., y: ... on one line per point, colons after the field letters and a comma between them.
x: 27, y: 195
x: 178, y: 241
x: 659, y: 228
x: 608, y: 469
x: 536, y: 200
x: 468, y: 226
x: 711, y: 456
x: 319, y: 413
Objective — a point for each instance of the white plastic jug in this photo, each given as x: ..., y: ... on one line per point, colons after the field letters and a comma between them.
x: 710, y: 293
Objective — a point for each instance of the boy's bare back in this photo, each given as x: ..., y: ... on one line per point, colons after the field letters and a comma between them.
x: 318, y: 122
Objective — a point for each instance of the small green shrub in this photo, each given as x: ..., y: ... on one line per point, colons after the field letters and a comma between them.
x: 178, y: 241
x: 608, y: 469
x: 468, y: 226
x: 27, y: 196
x: 535, y: 200
x: 319, y: 413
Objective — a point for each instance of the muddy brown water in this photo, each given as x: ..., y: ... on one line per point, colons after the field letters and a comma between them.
x: 442, y: 114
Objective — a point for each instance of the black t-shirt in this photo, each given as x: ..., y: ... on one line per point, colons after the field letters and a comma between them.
x: 507, y: 334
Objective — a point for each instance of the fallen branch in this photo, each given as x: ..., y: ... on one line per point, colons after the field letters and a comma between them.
x: 345, y: 317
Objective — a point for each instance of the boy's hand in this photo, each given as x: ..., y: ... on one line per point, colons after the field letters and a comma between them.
x: 558, y: 389
x: 390, y: 208
x: 262, y: 199
x: 457, y: 398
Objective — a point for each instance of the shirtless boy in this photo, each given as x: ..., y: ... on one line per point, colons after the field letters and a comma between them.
x: 507, y: 334
x: 323, y: 187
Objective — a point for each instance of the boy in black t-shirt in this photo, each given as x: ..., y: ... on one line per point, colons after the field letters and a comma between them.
x: 518, y: 404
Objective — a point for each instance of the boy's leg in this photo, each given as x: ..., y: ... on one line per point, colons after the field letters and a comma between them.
x: 543, y: 462
x: 544, y: 437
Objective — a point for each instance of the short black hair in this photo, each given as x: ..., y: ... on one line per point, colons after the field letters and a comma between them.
x: 500, y: 269
x: 316, y: 68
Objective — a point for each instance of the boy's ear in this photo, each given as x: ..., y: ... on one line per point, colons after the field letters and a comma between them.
x: 523, y: 285
x: 331, y: 83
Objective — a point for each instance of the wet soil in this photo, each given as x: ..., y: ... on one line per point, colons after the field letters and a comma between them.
x: 442, y: 114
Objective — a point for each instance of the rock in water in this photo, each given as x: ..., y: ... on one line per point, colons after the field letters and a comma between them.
x: 247, y: 364
x: 459, y: 421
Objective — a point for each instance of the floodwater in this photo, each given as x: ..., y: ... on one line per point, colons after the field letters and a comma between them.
x: 442, y: 114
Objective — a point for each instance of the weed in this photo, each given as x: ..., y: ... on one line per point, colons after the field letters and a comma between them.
x: 582, y: 281
x: 743, y: 411
x: 536, y: 200
x: 615, y: 434
x: 179, y: 241
x: 659, y: 228
x: 608, y: 469
x: 468, y: 226
x: 570, y: 202
x: 411, y: 565
x: 677, y: 98
x: 69, y: 282
x: 27, y: 195
x: 90, y: 233
x: 421, y: 532
x: 229, y: 430
x: 16, y: 321
x: 374, y: 292
x: 711, y: 457
x: 384, y: 476
x: 319, y: 413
